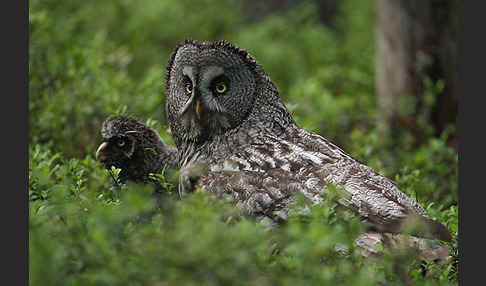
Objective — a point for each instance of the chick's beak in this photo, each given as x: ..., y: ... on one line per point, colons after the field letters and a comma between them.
x: 99, y: 153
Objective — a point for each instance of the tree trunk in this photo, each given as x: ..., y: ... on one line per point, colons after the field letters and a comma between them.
x: 416, y: 39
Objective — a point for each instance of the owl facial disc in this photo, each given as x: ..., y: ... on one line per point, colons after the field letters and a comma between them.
x: 210, y: 90
x: 202, y: 111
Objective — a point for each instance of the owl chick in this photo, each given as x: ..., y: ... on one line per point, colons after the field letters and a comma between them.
x: 135, y: 148
x: 226, y: 114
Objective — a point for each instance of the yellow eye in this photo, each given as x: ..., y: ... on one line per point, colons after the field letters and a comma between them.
x: 221, y: 88
x: 189, y: 88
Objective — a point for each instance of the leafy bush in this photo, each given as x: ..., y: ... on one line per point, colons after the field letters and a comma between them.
x: 88, y: 60
x: 79, y: 236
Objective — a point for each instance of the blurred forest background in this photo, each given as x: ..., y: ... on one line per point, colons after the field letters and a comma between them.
x: 378, y: 78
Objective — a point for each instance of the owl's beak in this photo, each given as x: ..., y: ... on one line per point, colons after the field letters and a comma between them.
x: 100, y: 156
x: 197, y: 108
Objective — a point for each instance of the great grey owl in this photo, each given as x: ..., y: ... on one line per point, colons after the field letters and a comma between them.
x: 226, y: 115
x: 135, y: 148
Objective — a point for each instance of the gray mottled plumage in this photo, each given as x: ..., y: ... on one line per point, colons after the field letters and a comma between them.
x: 428, y: 249
x: 135, y: 148
x: 226, y: 114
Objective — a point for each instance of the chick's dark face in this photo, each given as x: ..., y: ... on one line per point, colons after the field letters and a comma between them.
x: 115, y: 151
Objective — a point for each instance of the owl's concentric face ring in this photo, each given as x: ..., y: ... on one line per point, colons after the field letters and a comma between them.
x: 210, y: 90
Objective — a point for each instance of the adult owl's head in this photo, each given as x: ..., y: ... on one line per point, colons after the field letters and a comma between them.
x: 211, y: 88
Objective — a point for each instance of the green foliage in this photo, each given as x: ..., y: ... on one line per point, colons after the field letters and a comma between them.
x: 92, y: 59
x: 164, y: 180
x: 81, y: 238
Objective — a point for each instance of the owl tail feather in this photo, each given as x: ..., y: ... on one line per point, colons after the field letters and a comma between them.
x: 427, y: 249
x: 411, y: 223
x: 426, y: 227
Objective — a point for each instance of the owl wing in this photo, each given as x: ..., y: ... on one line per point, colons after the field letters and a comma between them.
x: 257, y: 194
x: 376, y: 198
x: 382, y: 205
x: 263, y: 176
x: 268, y: 195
